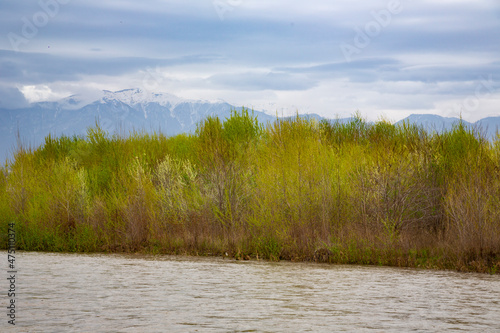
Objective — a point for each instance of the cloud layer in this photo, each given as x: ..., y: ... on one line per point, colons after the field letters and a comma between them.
x: 384, y: 58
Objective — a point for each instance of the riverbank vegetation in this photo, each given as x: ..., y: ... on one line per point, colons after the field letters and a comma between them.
x: 296, y: 189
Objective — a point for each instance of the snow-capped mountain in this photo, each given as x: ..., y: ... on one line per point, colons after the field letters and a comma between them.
x: 117, y: 112
x: 137, y: 96
x: 134, y: 109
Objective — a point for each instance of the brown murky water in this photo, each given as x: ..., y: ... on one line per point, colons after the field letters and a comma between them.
x: 133, y: 293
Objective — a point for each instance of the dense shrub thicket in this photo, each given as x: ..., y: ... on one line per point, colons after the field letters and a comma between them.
x: 294, y: 189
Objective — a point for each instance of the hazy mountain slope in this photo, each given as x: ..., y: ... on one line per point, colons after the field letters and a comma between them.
x: 431, y: 122
x: 434, y: 123
x: 126, y: 110
x: 120, y: 112
x: 490, y: 126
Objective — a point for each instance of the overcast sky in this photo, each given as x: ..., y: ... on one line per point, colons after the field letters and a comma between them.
x: 386, y: 58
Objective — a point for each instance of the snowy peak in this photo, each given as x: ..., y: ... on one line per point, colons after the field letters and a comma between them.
x: 77, y: 101
x: 134, y: 97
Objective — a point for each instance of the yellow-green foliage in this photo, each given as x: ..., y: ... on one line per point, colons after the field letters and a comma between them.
x: 177, y: 186
x: 294, y: 189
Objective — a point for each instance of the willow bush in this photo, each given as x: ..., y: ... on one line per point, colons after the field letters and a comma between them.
x: 295, y: 188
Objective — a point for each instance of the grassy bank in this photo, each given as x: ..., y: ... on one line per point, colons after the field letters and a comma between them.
x: 293, y: 189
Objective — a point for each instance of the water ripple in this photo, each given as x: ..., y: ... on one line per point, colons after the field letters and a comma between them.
x: 135, y: 293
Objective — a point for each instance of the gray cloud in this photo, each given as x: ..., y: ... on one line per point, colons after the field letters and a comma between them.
x: 11, y: 98
x: 281, y: 45
x: 388, y: 69
x: 263, y: 81
x: 36, y: 68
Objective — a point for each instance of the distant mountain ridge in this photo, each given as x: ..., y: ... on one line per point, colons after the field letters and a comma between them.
x: 120, y: 111
x: 487, y: 127
x: 126, y: 110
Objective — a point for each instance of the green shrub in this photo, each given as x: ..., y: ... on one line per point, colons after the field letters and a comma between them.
x: 295, y: 188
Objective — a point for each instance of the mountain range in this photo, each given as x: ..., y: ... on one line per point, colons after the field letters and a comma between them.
x: 487, y: 127
x: 120, y: 111
x: 126, y: 110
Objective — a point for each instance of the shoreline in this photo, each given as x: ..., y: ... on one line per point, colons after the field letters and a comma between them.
x: 427, y: 264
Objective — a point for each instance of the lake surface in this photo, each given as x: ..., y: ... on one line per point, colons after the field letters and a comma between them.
x: 137, y: 293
